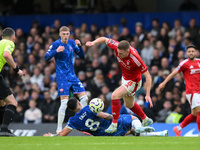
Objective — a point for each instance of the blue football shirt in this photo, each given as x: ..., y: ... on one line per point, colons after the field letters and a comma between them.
x: 88, y: 121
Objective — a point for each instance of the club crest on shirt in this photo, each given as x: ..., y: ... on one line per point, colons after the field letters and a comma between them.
x: 61, y: 90
x: 128, y: 62
x: 70, y: 49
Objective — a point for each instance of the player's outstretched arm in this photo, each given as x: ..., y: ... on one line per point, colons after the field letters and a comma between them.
x: 148, y: 85
x: 98, y: 40
x: 105, y: 116
x: 169, y: 77
x: 64, y: 132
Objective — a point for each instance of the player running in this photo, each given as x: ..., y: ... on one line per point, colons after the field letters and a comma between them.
x: 96, y: 123
x: 63, y: 50
x: 132, y: 67
x: 7, y: 47
x: 191, y: 73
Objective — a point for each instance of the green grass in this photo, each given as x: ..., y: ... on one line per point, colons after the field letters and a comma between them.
x: 99, y: 143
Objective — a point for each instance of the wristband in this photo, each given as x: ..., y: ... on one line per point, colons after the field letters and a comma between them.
x: 16, y: 69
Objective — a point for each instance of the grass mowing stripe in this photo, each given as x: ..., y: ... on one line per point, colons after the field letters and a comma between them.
x: 96, y: 143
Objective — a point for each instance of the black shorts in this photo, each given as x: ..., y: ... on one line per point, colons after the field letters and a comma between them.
x: 4, y: 89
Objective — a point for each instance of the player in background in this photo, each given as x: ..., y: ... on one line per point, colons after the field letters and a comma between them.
x: 7, y: 113
x: 96, y: 123
x: 63, y: 50
x: 190, y: 68
x: 132, y: 68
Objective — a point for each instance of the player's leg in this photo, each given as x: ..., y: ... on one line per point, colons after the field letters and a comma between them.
x: 194, y: 100
x: 83, y: 99
x: 78, y: 88
x: 135, y: 108
x: 2, y: 110
x: 160, y: 133
x: 136, y: 124
x: 7, y: 96
x: 63, y: 92
x: 196, y: 111
x: 116, y: 106
x: 188, y: 119
x: 61, y: 112
x: 8, y: 115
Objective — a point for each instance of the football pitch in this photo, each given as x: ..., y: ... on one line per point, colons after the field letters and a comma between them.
x: 99, y: 143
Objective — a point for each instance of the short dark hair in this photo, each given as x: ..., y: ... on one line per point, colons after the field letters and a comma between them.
x: 8, y: 32
x: 72, y: 103
x: 191, y: 46
x: 123, y: 45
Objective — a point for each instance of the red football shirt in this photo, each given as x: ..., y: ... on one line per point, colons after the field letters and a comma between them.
x: 132, y: 66
x: 191, y: 73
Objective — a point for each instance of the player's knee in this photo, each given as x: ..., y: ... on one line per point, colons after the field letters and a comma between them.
x: 115, y: 96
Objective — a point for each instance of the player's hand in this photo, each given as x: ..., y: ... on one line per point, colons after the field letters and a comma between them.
x: 148, y: 99
x: 89, y: 44
x: 77, y: 42
x: 60, y: 49
x: 20, y: 73
x: 161, y: 86
x: 48, y: 134
x: 86, y: 133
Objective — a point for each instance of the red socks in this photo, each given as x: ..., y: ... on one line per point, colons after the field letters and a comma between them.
x: 138, y: 111
x: 188, y: 120
x: 198, y: 121
x: 116, y: 106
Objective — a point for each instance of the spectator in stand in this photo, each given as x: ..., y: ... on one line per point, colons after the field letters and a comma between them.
x: 146, y: 52
x: 163, y: 36
x: 156, y: 61
x: 177, y: 25
x: 49, y: 108
x: 156, y: 29
x: 163, y: 113
x: 38, y: 78
x: 139, y: 31
x: 33, y: 114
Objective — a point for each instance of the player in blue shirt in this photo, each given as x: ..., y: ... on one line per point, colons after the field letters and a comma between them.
x: 96, y: 123
x: 63, y: 50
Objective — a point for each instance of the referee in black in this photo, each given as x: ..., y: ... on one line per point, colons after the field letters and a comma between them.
x: 8, y: 103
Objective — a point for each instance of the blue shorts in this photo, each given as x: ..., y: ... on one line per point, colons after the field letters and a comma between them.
x: 65, y: 86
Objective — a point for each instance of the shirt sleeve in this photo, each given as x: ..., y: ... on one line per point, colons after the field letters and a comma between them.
x: 137, y: 59
x: 113, y: 44
x: 79, y: 50
x: 51, y: 52
x: 180, y: 67
x: 10, y: 48
x: 70, y: 124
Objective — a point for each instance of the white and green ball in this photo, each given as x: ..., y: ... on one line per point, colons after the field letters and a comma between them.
x: 96, y: 105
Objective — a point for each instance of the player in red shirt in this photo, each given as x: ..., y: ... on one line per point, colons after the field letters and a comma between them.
x: 191, y: 71
x: 132, y: 68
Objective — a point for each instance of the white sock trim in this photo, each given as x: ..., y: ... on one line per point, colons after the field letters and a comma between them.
x: 136, y: 123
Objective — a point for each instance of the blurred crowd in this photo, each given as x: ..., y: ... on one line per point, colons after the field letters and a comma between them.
x: 22, y: 7
x: 162, y: 49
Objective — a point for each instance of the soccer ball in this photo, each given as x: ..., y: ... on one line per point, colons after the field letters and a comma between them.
x: 96, y: 105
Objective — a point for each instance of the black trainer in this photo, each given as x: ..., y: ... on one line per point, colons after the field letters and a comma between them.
x: 7, y: 133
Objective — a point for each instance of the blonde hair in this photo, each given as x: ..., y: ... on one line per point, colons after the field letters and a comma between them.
x: 64, y: 28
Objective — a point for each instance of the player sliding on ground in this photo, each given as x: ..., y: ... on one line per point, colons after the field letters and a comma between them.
x: 91, y: 120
